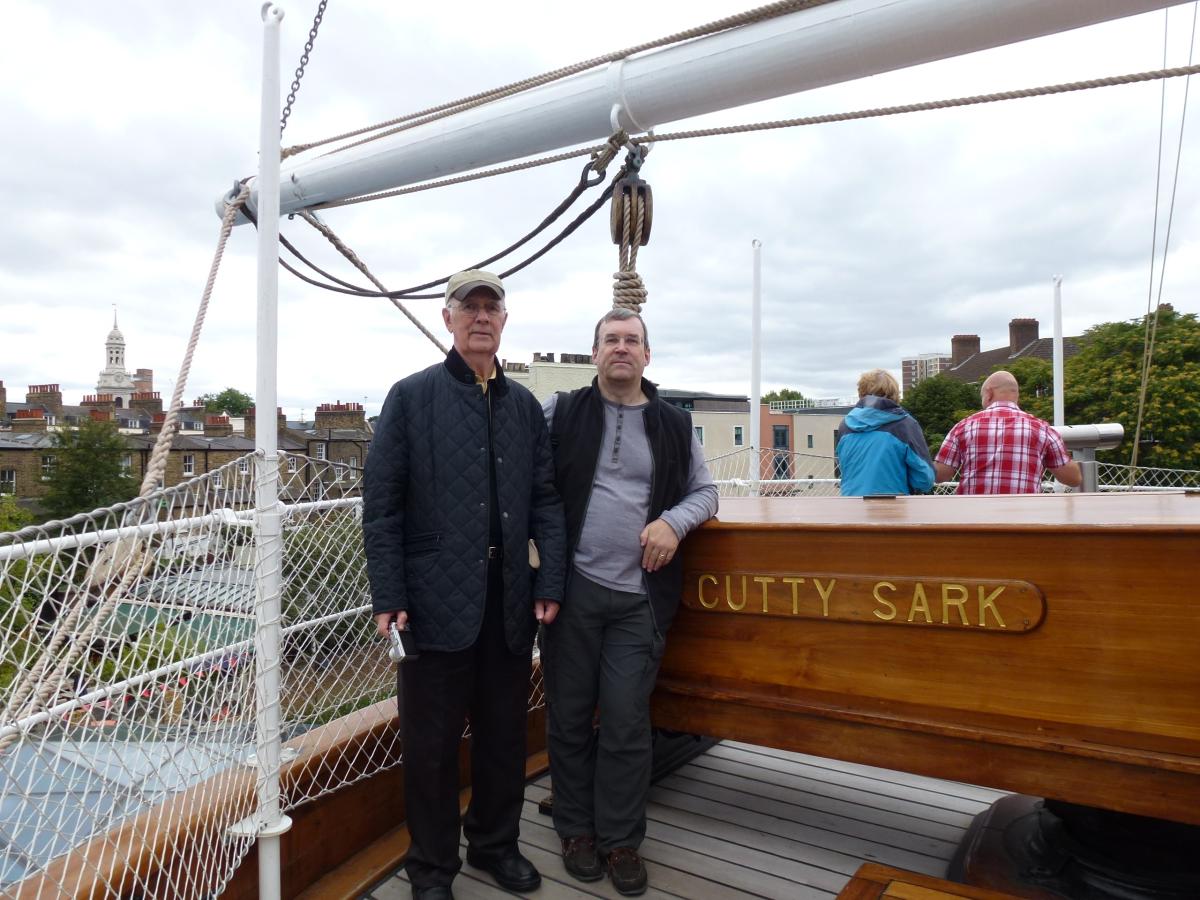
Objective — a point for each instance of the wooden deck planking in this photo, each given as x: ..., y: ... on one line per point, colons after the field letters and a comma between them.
x: 984, y: 795
x: 941, y: 800
x: 780, y: 774
x: 744, y: 821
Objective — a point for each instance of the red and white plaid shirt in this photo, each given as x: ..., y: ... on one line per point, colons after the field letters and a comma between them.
x: 1002, y: 450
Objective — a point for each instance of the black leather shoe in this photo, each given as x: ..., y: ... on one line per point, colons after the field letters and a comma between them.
x: 436, y: 892
x: 512, y: 871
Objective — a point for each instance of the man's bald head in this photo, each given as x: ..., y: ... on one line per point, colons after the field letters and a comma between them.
x: 999, y: 386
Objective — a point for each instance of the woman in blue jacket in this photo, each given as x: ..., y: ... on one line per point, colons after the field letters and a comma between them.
x: 880, y: 446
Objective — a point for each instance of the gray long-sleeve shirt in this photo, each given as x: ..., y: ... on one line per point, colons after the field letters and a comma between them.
x: 609, y: 551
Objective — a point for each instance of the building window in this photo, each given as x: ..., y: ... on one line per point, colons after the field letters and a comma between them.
x: 810, y: 446
x: 293, y: 464
x: 353, y: 464
x: 321, y: 452
x: 739, y: 437
x: 780, y: 465
x: 127, y: 464
x: 8, y: 481
x: 244, y: 465
x: 48, y: 463
x: 699, y: 429
x: 189, y: 464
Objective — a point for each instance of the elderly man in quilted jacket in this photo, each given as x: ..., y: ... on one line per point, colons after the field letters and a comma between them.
x: 459, y: 478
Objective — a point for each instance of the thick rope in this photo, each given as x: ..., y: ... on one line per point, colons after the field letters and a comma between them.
x: 629, y: 292
x: 162, y: 447
x: 362, y: 267
x: 759, y: 14
x: 926, y: 106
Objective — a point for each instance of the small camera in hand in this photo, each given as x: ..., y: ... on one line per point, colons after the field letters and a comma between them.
x: 402, y: 647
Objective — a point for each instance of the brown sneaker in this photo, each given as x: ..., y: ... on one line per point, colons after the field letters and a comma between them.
x: 580, y: 859
x: 627, y: 871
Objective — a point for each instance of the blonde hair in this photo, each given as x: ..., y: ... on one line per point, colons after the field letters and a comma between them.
x: 879, y: 383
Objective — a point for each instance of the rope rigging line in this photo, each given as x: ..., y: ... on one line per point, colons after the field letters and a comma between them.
x: 925, y: 106
x: 430, y: 114
x: 1151, y: 328
x: 824, y: 119
x: 462, y: 179
x: 357, y: 262
x: 597, y: 166
x: 554, y: 242
x: 628, y: 214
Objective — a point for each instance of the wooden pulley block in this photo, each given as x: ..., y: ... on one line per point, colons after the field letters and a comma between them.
x: 631, y: 191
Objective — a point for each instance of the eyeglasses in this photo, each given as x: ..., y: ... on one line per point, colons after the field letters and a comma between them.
x: 472, y: 310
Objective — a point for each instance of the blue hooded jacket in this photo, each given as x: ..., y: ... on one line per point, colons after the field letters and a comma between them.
x: 881, y: 450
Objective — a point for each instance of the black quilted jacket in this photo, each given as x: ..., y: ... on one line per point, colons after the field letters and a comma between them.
x: 425, y: 508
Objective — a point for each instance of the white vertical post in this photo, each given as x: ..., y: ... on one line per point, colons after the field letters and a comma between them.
x: 268, y: 533
x: 756, y: 372
x: 1058, y: 352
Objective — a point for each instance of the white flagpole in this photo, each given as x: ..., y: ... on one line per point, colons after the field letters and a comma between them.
x: 271, y: 823
x: 756, y: 372
x: 1058, y: 352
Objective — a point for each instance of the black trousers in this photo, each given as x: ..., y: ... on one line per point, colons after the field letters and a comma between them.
x: 602, y: 651
x: 438, y: 691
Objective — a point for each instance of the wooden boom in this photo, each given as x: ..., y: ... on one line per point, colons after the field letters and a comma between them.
x: 1043, y: 644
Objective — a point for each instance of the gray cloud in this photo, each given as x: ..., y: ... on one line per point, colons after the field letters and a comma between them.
x: 881, y: 238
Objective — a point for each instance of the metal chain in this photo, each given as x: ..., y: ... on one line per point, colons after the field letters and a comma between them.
x: 308, y: 46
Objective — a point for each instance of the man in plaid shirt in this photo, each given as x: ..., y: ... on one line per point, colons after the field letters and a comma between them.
x: 1002, y: 450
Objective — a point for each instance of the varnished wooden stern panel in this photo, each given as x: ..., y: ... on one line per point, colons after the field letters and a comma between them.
x: 1048, y: 645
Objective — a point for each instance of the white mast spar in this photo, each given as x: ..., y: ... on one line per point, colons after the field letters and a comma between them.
x: 836, y: 42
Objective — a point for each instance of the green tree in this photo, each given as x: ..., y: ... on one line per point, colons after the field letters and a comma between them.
x: 1036, y: 379
x: 782, y: 394
x: 88, y: 472
x: 12, y: 516
x: 230, y: 400
x: 937, y: 403
x: 29, y: 592
x: 1102, y: 384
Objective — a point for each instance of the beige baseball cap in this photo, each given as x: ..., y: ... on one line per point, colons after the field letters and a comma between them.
x: 462, y: 283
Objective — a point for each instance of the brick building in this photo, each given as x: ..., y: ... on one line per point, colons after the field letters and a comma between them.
x: 915, y: 369
x: 969, y: 363
x: 320, y: 462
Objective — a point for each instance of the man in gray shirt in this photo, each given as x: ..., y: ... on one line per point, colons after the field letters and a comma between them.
x: 633, y: 481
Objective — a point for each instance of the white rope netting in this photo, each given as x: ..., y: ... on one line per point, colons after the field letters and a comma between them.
x: 786, y: 473
x: 1113, y: 477
x: 126, y: 757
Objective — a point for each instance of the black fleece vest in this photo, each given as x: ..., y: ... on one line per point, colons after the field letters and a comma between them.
x: 576, y: 435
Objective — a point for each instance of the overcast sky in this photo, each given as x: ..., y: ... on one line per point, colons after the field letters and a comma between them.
x: 123, y: 122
